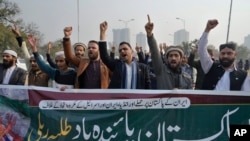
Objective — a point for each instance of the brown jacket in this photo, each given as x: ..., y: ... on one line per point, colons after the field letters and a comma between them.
x: 38, y: 78
x: 82, y: 64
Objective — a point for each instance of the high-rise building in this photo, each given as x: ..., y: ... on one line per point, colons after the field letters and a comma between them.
x: 247, y: 41
x: 181, y: 36
x: 141, y: 40
x: 120, y: 35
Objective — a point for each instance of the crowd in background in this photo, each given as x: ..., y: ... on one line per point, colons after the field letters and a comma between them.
x: 164, y: 67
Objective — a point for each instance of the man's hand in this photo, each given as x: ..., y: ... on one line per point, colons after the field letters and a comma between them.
x: 63, y: 88
x: 49, y: 47
x: 33, y: 42
x: 137, y: 48
x: 149, y: 27
x: 165, y: 47
x: 67, y: 32
x: 146, y: 52
x: 211, y: 24
x: 15, y: 30
x: 113, y: 49
x: 195, y: 49
x: 103, y: 29
x: 161, y: 47
x: 104, y: 26
x: 140, y: 49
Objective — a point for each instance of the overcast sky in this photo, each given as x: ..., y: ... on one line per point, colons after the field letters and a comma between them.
x: 52, y: 16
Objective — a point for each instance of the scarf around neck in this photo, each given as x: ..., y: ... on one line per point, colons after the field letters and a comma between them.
x: 134, y: 76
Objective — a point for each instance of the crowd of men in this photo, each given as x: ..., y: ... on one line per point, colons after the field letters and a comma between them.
x: 164, y: 68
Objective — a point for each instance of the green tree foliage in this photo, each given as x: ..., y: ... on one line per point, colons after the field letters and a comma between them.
x: 243, y: 53
x: 8, y: 17
x: 56, y: 46
x: 188, y: 46
x: 32, y: 29
x: 215, y: 51
x: 7, y: 39
x: 8, y: 11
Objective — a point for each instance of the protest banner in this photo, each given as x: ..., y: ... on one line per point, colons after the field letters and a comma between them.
x: 139, y: 115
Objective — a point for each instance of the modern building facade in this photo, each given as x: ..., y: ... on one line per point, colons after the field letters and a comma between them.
x: 181, y: 36
x: 120, y: 35
x: 141, y: 40
x: 247, y: 41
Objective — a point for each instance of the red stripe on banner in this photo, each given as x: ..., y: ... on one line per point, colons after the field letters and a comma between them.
x: 35, y: 96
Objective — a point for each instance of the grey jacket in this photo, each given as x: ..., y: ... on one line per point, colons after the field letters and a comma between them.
x: 163, y: 73
x: 17, y: 78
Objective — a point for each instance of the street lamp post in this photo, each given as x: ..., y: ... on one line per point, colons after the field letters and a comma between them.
x: 126, y: 21
x: 78, y: 25
x: 183, y: 21
x: 229, y: 20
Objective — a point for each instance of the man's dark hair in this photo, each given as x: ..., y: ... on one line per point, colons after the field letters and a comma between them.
x: 126, y: 43
x: 93, y: 41
x: 228, y: 45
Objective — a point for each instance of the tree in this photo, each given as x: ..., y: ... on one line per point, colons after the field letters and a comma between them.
x: 8, y: 17
x: 8, y: 11
x: 32, y: 28
x: 187, y: 46
x: 242, y: 52
x: 56, y: 46
x: 7, y: 40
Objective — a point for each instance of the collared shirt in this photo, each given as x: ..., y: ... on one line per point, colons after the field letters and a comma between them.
x: 207, y: 62
x: 188, y: 69
x: 224, y: 82
x: 129, y: 75
x: 8, y: 74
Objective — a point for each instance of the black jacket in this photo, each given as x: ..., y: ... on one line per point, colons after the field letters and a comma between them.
x: 115, y: 65
x: 237, y: 77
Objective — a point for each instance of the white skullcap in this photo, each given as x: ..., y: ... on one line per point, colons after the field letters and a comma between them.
x: 60, y: 53
x: 32, y: 55
x: 11, y: 52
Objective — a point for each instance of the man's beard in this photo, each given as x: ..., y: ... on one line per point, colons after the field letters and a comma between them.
x: 7, y: 64
x: 79, y: 55
x: 175, y: 69
x: 228, y: 62
x: 93, y: 57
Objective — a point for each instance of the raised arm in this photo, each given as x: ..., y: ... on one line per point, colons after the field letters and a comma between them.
x: 67, y: 47
x: 42, y: 65
x: 107, y: 60
x: 165, y: 46
x: 156, y: 57
x: 22, y: 44
x: 206, y: 60
x: 140, y: 54
x: 49, y: 60
x: 191, y: 58
x: 112, y: 52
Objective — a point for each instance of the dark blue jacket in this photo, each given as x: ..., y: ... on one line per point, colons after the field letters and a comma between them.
x: 115, y: 66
